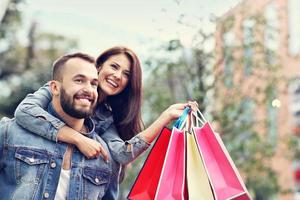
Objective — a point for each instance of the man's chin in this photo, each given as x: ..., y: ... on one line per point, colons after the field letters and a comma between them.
x: 88, y: 111
x: 81, y: 114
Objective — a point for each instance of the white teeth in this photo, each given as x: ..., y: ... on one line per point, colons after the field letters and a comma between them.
x: 112, y: 83
x: 85, y: 101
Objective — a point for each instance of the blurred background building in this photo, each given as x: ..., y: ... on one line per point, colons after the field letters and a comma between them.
x: 242, y: 68
x: 258, y: 54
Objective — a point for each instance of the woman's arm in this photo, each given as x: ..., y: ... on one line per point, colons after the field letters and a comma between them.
x: 173, y: 112
x: 31, y: 114
x: 125, y: 152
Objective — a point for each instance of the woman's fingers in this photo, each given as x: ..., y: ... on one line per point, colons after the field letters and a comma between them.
x: 103, y: 153
x: 92, y: 149
x: 194, y: 105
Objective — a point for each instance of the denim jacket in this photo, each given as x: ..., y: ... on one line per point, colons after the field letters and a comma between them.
x: 30, y: 167
x: 30, y: 114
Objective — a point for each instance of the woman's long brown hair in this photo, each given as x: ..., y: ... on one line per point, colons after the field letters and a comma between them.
x: 126, y: 106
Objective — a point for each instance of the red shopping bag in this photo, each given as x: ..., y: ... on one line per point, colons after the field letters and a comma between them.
x: 146, y: 183
x: 157, y: 180
x: 223, y: 175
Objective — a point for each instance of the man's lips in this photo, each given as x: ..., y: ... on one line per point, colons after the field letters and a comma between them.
x: 85, y: 98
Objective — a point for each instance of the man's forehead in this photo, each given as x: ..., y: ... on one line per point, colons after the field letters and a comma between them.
x: 81, y: 67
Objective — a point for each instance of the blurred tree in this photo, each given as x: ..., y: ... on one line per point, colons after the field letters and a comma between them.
x: 9, y: 44
x: 24, y: 68
x: 248, y: 84
x: 176, y: 74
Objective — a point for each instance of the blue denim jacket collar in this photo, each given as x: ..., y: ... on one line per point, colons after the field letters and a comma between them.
x: 103, y: 118
x: 88, y: 122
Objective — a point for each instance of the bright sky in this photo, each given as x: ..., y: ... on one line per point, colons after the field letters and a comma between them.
x: 138, y: 24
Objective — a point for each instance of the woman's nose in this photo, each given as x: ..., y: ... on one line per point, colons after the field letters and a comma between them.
x: 118, y: 74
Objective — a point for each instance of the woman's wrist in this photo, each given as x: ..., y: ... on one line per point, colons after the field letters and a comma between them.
x: 69, y: 135
x: 165, y: 118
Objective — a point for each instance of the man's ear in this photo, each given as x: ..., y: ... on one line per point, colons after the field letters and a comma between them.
x: 55, y: 87
x: 99, y: 69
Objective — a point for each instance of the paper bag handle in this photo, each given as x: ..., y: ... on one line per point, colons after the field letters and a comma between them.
x: 182, y: 119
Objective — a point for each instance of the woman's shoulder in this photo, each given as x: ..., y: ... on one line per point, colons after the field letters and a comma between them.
x: 103, y: 111
x: 103, y: 118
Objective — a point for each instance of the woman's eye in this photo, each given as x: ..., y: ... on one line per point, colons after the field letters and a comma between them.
x: 127, y: 75
x: 114, y: 66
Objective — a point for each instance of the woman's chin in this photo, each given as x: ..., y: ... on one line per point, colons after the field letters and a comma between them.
x: 109, y: 92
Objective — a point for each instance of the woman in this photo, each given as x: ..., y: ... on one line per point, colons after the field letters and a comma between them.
x: 117, y: 116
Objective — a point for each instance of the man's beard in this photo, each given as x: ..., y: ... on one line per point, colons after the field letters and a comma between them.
x: 67, y: 104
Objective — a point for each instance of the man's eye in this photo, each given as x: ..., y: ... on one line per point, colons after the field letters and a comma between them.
x: 95, y: 85
x: 78, y: 81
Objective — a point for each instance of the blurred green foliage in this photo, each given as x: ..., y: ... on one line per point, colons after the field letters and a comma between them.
x: 25, y: 67
x: 173, y: 74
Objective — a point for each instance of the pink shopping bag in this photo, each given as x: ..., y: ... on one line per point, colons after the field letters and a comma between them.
x: 224, y: 177
x: 171, y: 185
x: 145, y: 185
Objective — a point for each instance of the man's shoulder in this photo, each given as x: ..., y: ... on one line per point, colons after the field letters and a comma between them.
x: 7, y: 123
x: 14, y: 134
x: 5, y: 119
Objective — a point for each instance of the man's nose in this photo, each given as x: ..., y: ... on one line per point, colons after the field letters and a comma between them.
x: 89, y: 88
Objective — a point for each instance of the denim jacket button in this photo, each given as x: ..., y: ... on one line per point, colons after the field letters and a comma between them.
x: 53, y: 165
x: 31, y: 160
x: 46, y: 195
x: 96, y: 180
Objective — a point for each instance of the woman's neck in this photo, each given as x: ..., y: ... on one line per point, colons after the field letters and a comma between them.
x: 101, y: 97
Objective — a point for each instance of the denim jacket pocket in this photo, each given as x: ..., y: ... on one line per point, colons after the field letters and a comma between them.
x: 96, y: 176
x: 30, y: 164
x: 95, y: 183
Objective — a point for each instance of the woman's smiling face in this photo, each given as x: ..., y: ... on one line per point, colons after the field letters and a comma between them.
x: 114, y: 74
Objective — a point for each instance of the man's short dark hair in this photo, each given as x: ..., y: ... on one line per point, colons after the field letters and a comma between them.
x: 59, y: 63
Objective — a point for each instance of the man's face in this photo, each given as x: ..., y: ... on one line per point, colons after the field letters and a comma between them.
x: 78, y: 91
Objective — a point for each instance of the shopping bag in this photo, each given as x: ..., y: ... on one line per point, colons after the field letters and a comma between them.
x: 223, y: 175
x: 172, y: 179
x: 146, y: 183
x: 197, y: 180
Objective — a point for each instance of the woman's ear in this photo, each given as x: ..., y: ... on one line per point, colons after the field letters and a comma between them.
x: 54, y: 87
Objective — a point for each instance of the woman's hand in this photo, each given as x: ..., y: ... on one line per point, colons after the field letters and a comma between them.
x: 171, y: 113
x: 90, y: 148
x: 176, y: 110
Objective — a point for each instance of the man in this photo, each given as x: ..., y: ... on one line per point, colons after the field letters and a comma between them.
x: 35, y: 168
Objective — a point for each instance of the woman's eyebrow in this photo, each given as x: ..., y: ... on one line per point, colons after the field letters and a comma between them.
x: 116, y: 63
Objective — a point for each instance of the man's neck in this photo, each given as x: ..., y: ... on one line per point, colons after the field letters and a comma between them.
x: 74, y: 123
